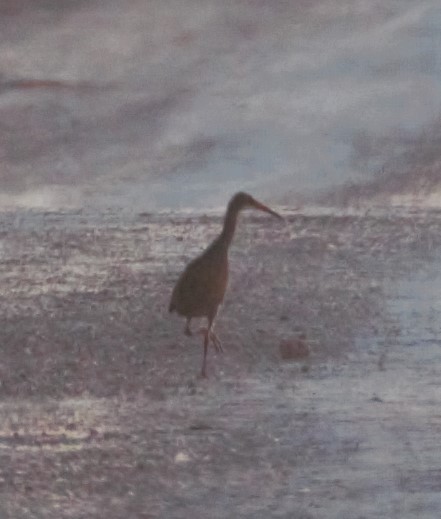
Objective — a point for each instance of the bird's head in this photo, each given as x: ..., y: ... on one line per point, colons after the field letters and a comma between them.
x: 243, y: 200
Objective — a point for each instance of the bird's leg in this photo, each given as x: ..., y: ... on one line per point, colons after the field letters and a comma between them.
x: 187, y: 330
x: 204, y: 361
x: 209, y: 334
x: 212, y: 337
x: 216, y: 342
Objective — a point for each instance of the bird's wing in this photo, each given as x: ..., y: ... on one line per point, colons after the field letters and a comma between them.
x: 200, y: 288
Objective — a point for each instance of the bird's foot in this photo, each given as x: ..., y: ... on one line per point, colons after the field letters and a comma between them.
x: 204, y: 370
x: 216, y: 342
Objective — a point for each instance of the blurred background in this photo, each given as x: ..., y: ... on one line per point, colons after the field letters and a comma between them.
x: 153, y: 105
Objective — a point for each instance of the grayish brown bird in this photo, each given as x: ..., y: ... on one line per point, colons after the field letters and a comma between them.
x: 201, y: 287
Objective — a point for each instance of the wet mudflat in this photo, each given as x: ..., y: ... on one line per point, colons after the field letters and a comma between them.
x: 102, y: 410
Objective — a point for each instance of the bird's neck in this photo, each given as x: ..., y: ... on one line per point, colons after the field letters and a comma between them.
x: 229, y: 228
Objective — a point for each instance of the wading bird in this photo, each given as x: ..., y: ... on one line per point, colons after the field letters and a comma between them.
x: 201, y: 287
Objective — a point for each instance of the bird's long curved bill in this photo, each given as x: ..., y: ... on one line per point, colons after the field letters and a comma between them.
x: 262, y: 207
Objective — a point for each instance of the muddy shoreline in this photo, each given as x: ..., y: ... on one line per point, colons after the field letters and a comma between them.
x: 102, y: 407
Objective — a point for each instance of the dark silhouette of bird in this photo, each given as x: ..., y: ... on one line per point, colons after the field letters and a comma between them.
x: 201, y: 287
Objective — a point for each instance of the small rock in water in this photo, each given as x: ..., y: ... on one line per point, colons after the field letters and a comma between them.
x: 182, y: 457
x: 295, y: 348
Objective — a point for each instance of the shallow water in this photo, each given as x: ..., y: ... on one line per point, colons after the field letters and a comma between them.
x: 100, y: 388
x: 415, y: 304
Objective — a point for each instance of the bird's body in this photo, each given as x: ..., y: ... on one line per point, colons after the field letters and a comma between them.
x: 201, y: 287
